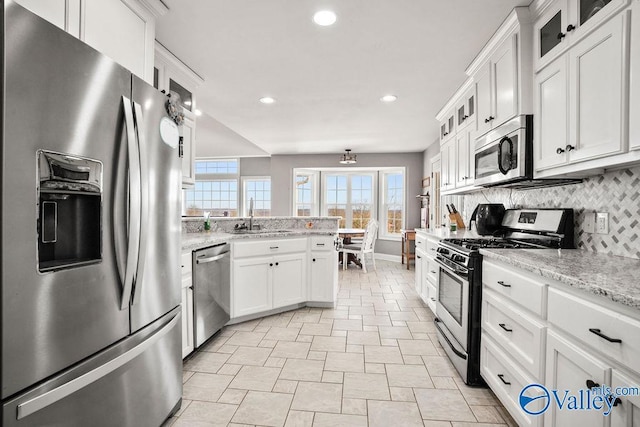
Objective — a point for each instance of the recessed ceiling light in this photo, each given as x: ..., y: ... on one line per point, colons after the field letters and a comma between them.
x: 324, y: 18
x: 198, y: 112
x: 388, y: 98
x: 267, y: 100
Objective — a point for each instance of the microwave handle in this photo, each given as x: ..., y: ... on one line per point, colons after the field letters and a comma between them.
x: 503, y: 140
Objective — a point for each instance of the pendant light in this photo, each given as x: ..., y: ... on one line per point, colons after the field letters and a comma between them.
x: 348, y: 158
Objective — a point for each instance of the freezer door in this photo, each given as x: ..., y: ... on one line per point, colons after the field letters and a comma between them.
x: 61, y: 96
x: 157, y: 286
x: 137, y: 382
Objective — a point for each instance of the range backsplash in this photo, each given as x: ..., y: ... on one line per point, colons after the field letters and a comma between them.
x: 616, y: 192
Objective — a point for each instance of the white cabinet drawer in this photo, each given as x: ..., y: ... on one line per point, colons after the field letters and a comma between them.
x: 431, y: 269
x: 597, y: 326
x: 506, y: 381
x: 522, y: 287
x: 517, y: 332
x: 421, y: 241
x: 185, y: 263
x: 432, y: 245
x: 269, y: 247
x: 322, y: 243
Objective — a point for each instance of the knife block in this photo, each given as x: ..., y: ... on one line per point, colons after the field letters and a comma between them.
x: 457, y: 218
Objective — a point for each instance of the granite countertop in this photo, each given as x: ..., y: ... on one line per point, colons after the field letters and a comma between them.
x: 613, y: 277
x: 195, y: 241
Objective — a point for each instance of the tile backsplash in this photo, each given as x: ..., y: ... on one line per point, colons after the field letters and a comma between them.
x: 616, y: 192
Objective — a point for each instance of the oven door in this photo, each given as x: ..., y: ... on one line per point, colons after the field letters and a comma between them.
x: 452, y: 307
x: 502, y: 160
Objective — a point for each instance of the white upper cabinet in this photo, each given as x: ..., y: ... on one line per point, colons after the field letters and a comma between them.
x: 466, y: 110
x: 449, y: 163
x: 124, y: 30
x: 551, y: 115
x: 634, y: 90
x: 596, y: 117
x: 563, y: 23
x: 447, y: 127
x: 485, y: 100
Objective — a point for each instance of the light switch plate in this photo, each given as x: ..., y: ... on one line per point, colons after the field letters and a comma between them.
x: 589, y: 224
x: 602, y: 223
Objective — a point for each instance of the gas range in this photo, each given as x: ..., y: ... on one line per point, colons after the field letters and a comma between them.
x: 460, y: 278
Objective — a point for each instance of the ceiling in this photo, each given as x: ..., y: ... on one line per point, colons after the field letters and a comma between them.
x: 327, y: 81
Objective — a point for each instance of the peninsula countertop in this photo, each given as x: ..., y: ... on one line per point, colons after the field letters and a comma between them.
x: 195, y: 241
x: 613, y: 277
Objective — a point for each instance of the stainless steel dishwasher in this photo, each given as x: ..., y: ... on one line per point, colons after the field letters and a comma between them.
x: 211, y: 291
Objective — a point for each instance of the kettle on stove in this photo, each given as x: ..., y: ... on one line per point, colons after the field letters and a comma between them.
x: 488, y: 218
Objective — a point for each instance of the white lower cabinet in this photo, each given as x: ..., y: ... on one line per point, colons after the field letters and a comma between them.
x: 324, y: 272
x: 571, y: 368
x: 288, y: 275
x: 252, y: 279
x: 427, y: 269
x: 626, y: 412
x: 186, y: 303
x: 271, y: 274
x: 419, y: 262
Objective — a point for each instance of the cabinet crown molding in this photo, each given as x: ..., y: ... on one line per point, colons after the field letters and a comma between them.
x: 519, y: 16
x: 538, y: 7
x: 454, y: 99
x: 156, y: 7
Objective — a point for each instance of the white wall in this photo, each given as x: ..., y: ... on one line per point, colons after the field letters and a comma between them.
x: 213, y: 139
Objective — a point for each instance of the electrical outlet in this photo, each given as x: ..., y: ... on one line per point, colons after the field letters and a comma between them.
x: 589, y: 223
x: 602, y: 223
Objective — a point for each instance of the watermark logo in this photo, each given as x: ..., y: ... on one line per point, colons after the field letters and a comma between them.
x: 535, y: 399
x: 533, y: 395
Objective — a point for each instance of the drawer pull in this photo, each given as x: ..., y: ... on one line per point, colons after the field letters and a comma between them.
x: 616, y: 402
x: 419, y: 242
x: 273, y: 247
x: 432, y: 272
x: 503, y: 326
x: 433, y: 299
x: 501, y: 376
x: 501, y: 283
x: 319, y: 244
x: 601, y: 335
x: 592, y: 384
x: 418, y: 256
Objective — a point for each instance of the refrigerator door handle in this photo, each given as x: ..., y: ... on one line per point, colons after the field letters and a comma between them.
x: 135, y: 215
x: 49, y: 398
x: 144, y: 205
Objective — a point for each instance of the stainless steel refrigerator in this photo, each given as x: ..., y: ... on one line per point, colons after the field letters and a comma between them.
x: 90, y: 229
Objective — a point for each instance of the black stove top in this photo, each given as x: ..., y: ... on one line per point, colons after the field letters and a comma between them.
x: 503, y: 243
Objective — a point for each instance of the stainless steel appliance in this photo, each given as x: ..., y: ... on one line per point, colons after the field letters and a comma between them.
x: 504, y: 157
x: 211, y: 291
x: 460, y: 282
x: 90, y: 229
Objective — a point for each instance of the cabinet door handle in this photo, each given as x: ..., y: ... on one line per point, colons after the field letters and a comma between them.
x: 570, y: 147
x: 270, y: 264
x: 561, y: 36
x: 501, y: 376
x: 601, y: 335
x: 418, y: 256
x: 465, y: 118
x: 273, y: 247
x: 277, y: 264
x: 616, y: 402
x: 560, y: 150
x: 501, y: 283
x: 503, y: 326
x: 592, y: 384
x: 570, y: 28
x: 432, y: 272
x: 487, y: 120
x: 314, y: 260
x: 433, y: 299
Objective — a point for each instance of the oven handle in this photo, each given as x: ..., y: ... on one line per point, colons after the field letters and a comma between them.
x: 455, y: 350
x: 446, y: 267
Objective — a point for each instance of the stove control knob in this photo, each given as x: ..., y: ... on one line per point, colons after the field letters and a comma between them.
x: 458, y: 258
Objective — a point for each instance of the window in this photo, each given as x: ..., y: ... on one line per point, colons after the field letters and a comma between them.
x: 351, y: 196
x: 258, y: 189
x: 305, y: 193
x: 215, y: 190
x: 392, y: 218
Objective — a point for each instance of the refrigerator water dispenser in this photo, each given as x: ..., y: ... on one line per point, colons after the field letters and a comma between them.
x: 69, y: 219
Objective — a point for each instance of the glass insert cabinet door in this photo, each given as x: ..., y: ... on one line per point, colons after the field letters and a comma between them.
x: 550, y: 34
x: 588, y: 8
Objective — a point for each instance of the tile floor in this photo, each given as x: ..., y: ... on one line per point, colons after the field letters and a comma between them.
x: 373, y: 361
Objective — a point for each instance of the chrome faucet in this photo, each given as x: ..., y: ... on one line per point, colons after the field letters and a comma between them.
x: 251, y: 213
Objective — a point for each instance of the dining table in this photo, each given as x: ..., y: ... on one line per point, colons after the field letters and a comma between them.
x: 346, y: 234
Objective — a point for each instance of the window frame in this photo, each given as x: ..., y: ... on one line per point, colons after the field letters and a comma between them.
x: 244, y: 208
x: 217, y: 177
x: 382, y: 230
x: 349, y: 205
x: 315, y: 191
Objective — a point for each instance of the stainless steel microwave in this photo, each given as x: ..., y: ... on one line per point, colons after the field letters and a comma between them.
x: 504, y: 157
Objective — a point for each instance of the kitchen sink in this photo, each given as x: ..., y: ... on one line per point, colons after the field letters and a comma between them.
x: 259, y: 231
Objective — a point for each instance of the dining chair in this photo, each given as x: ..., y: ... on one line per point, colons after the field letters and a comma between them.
x: 367, y: 246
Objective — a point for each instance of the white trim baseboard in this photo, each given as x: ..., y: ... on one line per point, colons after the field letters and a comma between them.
x: 387, y: 257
